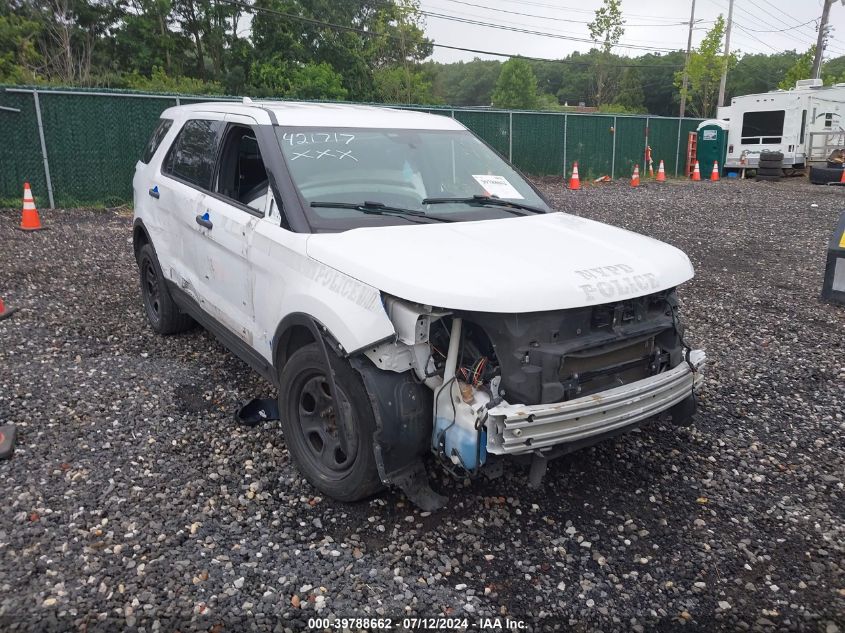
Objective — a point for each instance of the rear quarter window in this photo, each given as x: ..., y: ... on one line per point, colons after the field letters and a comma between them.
x: 194, y: 152
x: 155, y: 140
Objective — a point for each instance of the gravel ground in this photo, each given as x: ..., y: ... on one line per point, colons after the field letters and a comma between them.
x: 133, y: 502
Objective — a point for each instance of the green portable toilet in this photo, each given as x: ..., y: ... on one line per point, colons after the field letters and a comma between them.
x: 712, y: 145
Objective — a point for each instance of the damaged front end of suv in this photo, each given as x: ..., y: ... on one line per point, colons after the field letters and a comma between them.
x: 536, y: 385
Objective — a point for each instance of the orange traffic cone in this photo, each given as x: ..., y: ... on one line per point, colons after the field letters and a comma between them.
x: 714, y: 175
x: 29, y: 216
x: 4, y: 311
x: 842, y: 178
x: 635, y: 179
x: 661, y: 173
x: 574, y: 181
x: 696, y: 173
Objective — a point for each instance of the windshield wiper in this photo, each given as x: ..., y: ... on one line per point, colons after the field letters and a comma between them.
x: 379, y: 208
x: 485, y: 201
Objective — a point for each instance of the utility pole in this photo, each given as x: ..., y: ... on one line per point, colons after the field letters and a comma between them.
x: 817, y: 60
x: 686, y: 61
x: 721, y: 101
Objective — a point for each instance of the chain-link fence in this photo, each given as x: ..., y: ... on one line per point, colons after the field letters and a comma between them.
x: 79, y: 147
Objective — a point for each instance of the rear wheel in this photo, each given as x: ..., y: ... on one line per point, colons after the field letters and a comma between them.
x: 334, y: 452
x: 162, y: 312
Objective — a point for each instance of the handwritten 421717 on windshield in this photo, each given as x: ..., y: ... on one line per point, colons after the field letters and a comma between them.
x: 316, y: 138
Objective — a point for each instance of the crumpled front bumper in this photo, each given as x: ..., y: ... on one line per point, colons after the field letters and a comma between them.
x: 514, y: 429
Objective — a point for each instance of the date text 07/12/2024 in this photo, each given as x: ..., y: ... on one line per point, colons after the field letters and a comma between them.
x: 417, y: 623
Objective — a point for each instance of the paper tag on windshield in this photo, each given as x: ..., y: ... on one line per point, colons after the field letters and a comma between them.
x: 498, y: 186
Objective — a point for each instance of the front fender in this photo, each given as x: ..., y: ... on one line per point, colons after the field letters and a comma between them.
x: 288, y: 283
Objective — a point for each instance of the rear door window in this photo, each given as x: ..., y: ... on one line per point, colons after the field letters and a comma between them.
x: 194, y: 152
x: 155, y: 140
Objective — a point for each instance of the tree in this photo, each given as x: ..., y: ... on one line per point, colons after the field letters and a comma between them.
x: 398, y: 85
x: 801, y: 69
x: 660, y: 97
x: 465, y: 83
x: 516, y: 87
x: 833, y: 70
x: 160, y: 81
x: 145, y: 39
x: 631, y: 95
x: 71, y: 31
x: 19, y: 56
x: 705, y: 71
x: 756, y: 73
x: 278, y: 78
x: 394, y: 38
x: 606, y: 30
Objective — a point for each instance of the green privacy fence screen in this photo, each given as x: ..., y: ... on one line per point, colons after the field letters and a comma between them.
x: 79, y: 147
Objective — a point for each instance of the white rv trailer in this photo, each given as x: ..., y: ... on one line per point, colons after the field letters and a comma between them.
x: 805, y: 123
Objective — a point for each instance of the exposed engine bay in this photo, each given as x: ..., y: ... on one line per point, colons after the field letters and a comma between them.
x: 524, y: 383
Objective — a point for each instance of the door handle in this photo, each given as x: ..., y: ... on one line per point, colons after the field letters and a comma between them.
x: 203, y: 220
x: 154, y: 192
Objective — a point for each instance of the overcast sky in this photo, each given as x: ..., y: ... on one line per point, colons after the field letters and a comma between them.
x: 760, y: 26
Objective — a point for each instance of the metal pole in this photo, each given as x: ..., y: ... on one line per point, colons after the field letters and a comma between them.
x: 817, y: 60
x: 565, y: 124
x: 686, y: 61
x: 88, y: 93
x: 43, y: 150
x: 724, y: 79
x: 178, y: 101
x: 678, y: 148
x: 613, y: 155
x: 510, y: 136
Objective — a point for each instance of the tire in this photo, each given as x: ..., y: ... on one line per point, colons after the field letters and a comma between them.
x: 767, y: 171
x: 771, y: 164
x: 824, y: 175
x: 771, y: 156
x: 311, y: 431
x: 162, y: 312
x: 767, y: 178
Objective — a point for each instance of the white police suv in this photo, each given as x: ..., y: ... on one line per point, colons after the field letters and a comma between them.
x: 406, y: 289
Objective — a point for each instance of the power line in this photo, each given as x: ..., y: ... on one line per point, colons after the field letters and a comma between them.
x: 515, y: 29
x: 751, y: 35
x: 789, y: 16
x: 752, y: 16
x: 558, y: 7
x: 788, y: 28
x: 757, y: 19
x: 510, y: 24
x: 550, y: 18
x: 351, y: 29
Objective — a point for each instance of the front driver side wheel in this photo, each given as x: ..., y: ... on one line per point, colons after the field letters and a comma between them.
x: 334, y: 452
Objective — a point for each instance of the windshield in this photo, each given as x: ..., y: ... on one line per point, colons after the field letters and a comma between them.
x: 403, y: 169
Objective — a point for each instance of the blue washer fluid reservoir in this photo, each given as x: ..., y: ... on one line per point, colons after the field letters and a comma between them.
x: 469, y: 444
x: 463, y: 444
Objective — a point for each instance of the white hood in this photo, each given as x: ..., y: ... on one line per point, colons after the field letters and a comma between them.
x: 543, y: 262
